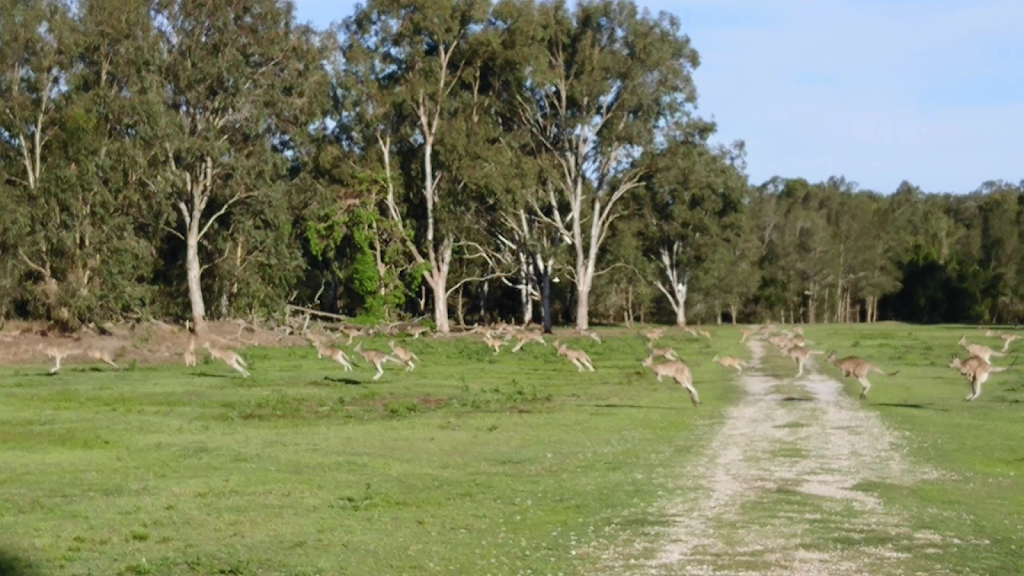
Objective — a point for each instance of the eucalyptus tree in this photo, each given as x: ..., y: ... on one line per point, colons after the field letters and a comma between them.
x: 35, y: 60
x: 691, y: 202
x: 242, y: 84
x: 602, y: 81
x: 408, y: 58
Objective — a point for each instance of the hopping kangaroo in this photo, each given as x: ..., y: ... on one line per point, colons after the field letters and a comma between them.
x: 405, y: 355
x: 339, y: 356
x: 527, y: 337
x: 57, y: 353
x: 577, y: 357
x: 800, y: 355
x: 977, y: 372
x: 983, y: 352
x: 229, y: 357
x: 730, y: 362
x: 666, y: 353
x: 859, y: 369
x: 1007, y: 340
x: 677, y: 371
x: 375, y: 357
x: 493, y: 342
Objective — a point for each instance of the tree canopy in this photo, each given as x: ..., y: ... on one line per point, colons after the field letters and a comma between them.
x: 525, y: 160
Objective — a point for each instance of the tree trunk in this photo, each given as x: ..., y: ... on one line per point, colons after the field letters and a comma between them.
x: 459, y: 312
x: 582, y: 307
x: 681, y: 290
x: 732, y: 312
x: 193, y: 273
x: 718, y: 314
x: 439, y: 286
x: 545, y: 299
x: 524, y: 295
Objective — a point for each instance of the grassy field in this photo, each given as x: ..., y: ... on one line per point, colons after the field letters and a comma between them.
x: 980, y: 442
x: 472, y: 464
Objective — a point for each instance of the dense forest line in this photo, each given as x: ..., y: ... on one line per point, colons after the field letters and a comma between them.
x: 463, y: 160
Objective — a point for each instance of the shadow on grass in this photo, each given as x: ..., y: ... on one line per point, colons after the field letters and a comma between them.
x: 211, y: 375
x: 796, y: 399
x: 638, y: 406
x: 911, y: 406
x: 347, y: 381
x: 13, y: 565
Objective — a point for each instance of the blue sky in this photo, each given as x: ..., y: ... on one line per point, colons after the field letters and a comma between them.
x: 878, y: 91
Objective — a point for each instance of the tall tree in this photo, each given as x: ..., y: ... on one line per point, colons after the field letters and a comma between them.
x: 243, y: 84
x: 408, y: 58
x: 603, y: 82
x: 691, y: 202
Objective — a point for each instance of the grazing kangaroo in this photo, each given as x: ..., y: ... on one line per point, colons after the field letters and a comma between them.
x: 859, y: 369
x: 526, y: 337
x: 339, y: 356
x: 405, y: 355
x: 229, y: 357
x: 375, y: 357
x: 977, y: 371
x: 677, y: 371
x: 666, y: 353
x: 577, y: 357
x: 190, y: 353
x: 57, y: 353
x: 983, y: 352
x: 730, y: 362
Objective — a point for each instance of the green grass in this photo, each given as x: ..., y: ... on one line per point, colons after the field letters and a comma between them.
x: 980, y: 442
x: 472, y: 464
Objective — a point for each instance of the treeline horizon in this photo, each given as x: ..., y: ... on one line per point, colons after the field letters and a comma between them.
x: 466, y: 161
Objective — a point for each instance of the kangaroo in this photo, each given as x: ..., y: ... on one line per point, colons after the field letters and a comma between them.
x: 190, y: 353
x: 416, y: 331
x: 1007, y: 340
x: 983, y: 352
x: 677, y: 371
x: 229, y: 357
x: 730, y: 362
x: 493, y: 342
x: 704, y: 333
x: 654, y: 334
x: 375, y: 357
x: 351, y: 333
x: 977, y: 371
x: 666, y: 353
x: 859, y: 369
x: 339, y: 356
x: 102, y: 355
x: 589, y: 334
x: 58, y: 353
x: 578, y: 357
x: 744, y: 334
x: 526, y: 337
x: 405, y: 355
x: 799, y: 354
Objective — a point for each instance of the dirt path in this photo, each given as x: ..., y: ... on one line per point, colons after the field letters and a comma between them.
x: 773, y: 492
